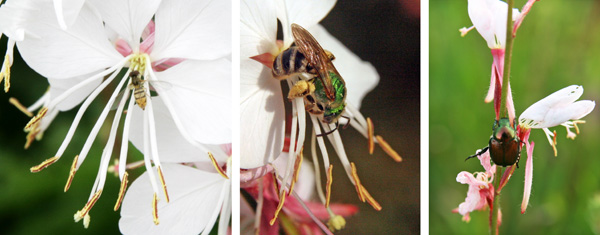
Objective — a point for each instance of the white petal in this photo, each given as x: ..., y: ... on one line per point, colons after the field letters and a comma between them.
x: 15, y: 17
x: 489, y: 18
x: 57, y: 53
x: 59, y: 86
x: 67, y: 11
x: 172, y: 146
x: 193, y: 29
x: 127, y: 17
x: 194, y: 198
x: 360, y: 76
x: 305, y: 13
x: 201, y: 97
x: 258, y: 27
x: 262, y: 115
x: 557, y: 108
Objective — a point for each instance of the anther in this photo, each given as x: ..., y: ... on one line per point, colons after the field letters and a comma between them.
x: 216, y: 165
x: 6, y: 73
x: 276, y: 184
x: 122, y: 191
x: 297, y: 165
x: 388, y: 149
x: 370, y: 133
x: 31, y: 136
x: 36, y: 119
x: 279, y: 206
x: 329, y: 183
x: 44, y: 164
x: 155, y: 209
x: 554, y: 144
x: 357, y: 182
x: 88, y: 206
x: 20, y: 106
x: 164, y: 185
x: 71, y: 173
x: 370, y: 199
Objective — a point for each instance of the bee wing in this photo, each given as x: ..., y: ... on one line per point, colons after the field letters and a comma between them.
x: 117, y: 100
x: 316, y: 56
x: 160, y: 85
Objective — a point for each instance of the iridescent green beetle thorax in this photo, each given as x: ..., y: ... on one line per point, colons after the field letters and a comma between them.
x: 332, y: 109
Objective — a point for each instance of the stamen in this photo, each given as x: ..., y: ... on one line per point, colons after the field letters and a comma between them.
x: 464, y: 30
x: 554, y: 144
x: 575, y: 125
x: 31, y: 136
x: 216, y: 165
x: 329, y: 183
x: 88, y: 206
x: 370, y: 199
x: 388, y: 149
x: 36, y: 119
x: 71, y: 173
x: 357, y: 182
x: 276, y: 184
x: 297, y: 165
x: 336, y: 223
x: 5, y: 73
x: 370, y: 135
x: 279, y: 207
x: 44, y: 164
x: 19, y: 106
x: 162, y: 181
x: 122, y: 191
x: 155, y: 209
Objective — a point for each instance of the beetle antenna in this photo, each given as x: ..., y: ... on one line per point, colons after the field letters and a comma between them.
x: 483, y: 150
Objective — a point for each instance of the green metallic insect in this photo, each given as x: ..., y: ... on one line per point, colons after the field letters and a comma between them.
x: 504, y: 145
x: 324, y: 93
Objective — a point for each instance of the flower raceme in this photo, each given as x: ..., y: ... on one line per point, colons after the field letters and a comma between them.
x: 168, y: 42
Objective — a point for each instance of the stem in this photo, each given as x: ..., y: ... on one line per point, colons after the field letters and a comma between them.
x: 507, y: 59
x: 494, y: 216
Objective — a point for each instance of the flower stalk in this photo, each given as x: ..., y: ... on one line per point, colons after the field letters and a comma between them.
x: 507, y: 60
x: 494, y: 217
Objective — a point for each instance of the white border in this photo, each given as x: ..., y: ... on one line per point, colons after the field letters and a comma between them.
x: 424, y: 117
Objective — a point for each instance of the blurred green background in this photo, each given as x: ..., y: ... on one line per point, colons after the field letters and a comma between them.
x: 557, y: 45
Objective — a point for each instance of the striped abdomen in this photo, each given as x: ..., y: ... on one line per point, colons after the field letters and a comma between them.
x: 290, y: 62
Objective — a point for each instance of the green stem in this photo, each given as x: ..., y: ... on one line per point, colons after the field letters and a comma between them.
x: 507, y: 59
x: 496, y: 209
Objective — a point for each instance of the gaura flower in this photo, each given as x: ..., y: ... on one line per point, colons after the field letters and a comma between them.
x: 263, y: 124
x: 169, y: 42
x: 481, y: 188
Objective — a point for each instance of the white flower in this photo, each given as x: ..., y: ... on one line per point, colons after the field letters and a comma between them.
x: 184, y: 45
x: 559, y: 108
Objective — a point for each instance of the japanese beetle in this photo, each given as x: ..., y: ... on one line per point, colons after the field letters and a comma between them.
x: 504, y: 145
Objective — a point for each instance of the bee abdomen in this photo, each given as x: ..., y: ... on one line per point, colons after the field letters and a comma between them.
x: 289, y: 62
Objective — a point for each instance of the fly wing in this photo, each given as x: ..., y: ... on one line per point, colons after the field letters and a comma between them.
x: 316, y: 56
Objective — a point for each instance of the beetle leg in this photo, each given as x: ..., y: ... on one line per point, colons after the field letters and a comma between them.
x: 347, y: 123
x: 483, y: 150
x: 329, y: 132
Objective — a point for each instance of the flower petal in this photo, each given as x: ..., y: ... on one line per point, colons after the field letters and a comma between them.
x: 172, y: 146
x: 528, y: 177
x: 489, y: 18
x: 557, y: 108
x: 67, y: 11
x: 127, y: 17
x: 200, y: 96
x: 360, y: 76
x: 57, y: 53
x: 194, y: 198
x: 193, y: 29
x: 305, y: 13
x: 262, y: 115
x: 258, y: 28
x: 15, y: 17
x: 59, y: 86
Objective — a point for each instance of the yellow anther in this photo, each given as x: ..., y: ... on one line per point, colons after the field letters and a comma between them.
x: 155, y: 209
x: 20, y: 106
x: 388, y: 149
x: 164, y: 185
x: 329, y: 182
x: 370, y: 199
x: 554, y: 144
x: 6, y: 73
x: 357, y: 182
x: 122, y: 191
x: 370, y: 132
x: 297, y: 165
x: 44, y: 164
x: 216, y: 165
x: 81, y: 214
x: 36, y: 119
x: 71, y: 173
x: 276, y: 184
x: 31, y: 136
x: 279, y: 206
x: 336, y: 223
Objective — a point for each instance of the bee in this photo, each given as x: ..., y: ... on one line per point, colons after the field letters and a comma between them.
x: 137, y: 85
x: 504, y: 145
x: 325, y: 92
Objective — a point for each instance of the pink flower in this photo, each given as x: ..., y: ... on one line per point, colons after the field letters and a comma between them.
x: 481, y: 189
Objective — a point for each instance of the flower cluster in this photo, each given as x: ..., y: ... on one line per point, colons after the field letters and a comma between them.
x: 169, y: 62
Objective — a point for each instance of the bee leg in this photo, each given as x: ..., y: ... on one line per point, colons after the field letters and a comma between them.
x: 347, y: 123
x: 483, y: 150
x: 301, y: 89
x: 329, y: 132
